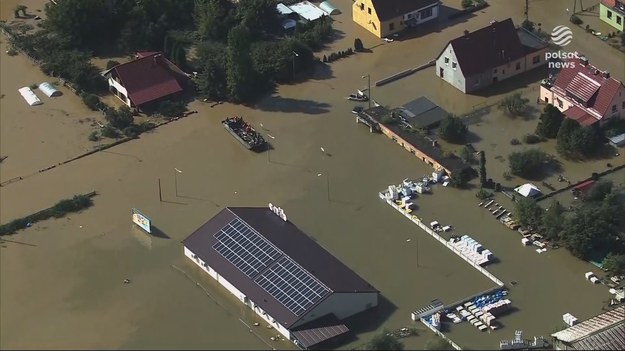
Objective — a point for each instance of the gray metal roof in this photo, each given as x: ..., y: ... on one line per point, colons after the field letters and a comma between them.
x: 618, y: 140
x: 612, y: 338
x: 612, y: 320
x: 422, y: 113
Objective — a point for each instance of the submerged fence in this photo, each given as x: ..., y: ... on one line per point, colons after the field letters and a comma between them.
x: 443, y: 241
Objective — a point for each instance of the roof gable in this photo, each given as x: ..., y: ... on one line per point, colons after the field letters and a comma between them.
x: 389, y: 9
x: 488, y: 47
x: 148, y: 78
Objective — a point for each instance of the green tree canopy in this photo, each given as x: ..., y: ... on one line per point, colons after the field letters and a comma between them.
x: 615, y: 264
x: 552, y: 221
x: 527, y: 163
x: 240, y: 75
x: 453, y: 130
x: 213, y: 19
x: 550, y: 121
x: 599, y: 191
x: 575, y: 139
x: 589, y: 230
x: 211, y: 64
x: 86, y: 24
x: 483, y: 178
x: 528, y: 213
x: 261, y: 15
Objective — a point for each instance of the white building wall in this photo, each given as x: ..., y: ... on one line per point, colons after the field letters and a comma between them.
x: 416, y: 14
x: 343, y: 305
x: 113, y: 83
x: 446, y: 71
x: 238, y: 294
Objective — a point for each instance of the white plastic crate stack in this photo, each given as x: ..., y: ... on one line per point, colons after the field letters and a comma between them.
x: 473, y: 250
x: 569, y: 319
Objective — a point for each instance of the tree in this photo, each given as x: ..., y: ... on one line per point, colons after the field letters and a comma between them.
x: 262, y: 15
x: 438, y: 344
x: 615, y: 264
x: 119, y: 118
x: 483, y: 179
x: 213, y: 19
x: 452, y: 129
x: 589, y: 230
x: 85, y: 24
x: 599, y: 191
x: 553, y: 221
x: 577, y: 140
x: 460, y: 179
x: 92, y: 101
x: 527, y: 163
x: 211, y: 64
x: 467, y: 154
x: 384, y: 341
x: 550, y: 121
x: 240, y: 77
x: 528, y: 25
x: 514, y: 104
x: 529, y: 213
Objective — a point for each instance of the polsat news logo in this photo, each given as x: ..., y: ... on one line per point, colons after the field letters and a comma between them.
x: 561, y: 36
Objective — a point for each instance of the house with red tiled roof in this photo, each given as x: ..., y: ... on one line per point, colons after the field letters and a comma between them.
x: 585, y: 93
x: 489, y: 55
x: 146, y: 79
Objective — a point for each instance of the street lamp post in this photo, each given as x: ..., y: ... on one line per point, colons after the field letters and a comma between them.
x: 176, y: 179
x: 295, y: 54
x: 368, y: 76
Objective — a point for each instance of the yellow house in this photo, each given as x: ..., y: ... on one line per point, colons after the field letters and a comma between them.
x: 386, y: 17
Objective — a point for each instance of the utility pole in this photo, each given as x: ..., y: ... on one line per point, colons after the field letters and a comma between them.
x: 160, y: 193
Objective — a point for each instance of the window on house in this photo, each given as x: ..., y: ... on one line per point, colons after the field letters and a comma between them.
x: 447, y: 60
x: 613, y: 108
x: 518, y: 66
x: 369, y: 10
x: 503, y: 71
x: 609, y: 14
x: 391, y: 26
x: 495, y: 71
x: 618, y: 19
x: 453, y: 65
x: 536, y: 59
x: 426, y: 13
x: 362, y: 7
x: 560, y: 103
x: 623, y: 107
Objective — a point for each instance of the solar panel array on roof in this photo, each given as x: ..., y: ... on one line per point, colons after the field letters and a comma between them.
x: 245, y: 248
x: 292, y: 286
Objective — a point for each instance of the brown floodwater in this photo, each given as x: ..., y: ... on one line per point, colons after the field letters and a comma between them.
x: 62, y: 279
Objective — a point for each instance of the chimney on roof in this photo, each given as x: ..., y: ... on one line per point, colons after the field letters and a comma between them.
x: 595, y: 71
x: 583, y: 60
x: 605, y: 74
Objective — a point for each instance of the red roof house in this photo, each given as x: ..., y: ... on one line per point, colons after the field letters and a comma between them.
x: 585, y: 93
x: 147, y: 78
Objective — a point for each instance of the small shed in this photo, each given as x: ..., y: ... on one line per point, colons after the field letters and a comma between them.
x: 328, y: 8
x: 29, y: 95
x: 49, y: 90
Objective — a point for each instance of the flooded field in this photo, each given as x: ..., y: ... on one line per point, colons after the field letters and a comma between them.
x: 71, y: 269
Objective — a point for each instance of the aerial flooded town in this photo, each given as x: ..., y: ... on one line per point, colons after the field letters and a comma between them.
x: 283, y: 175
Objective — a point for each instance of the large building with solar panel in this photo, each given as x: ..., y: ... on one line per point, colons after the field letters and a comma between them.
x: 275, y: 269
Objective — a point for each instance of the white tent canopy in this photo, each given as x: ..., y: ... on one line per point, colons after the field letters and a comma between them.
x: 30, y: 96
x: 307, y: 10
x: 528, y: 190
x: 49, y: 90
x: 329, y: 8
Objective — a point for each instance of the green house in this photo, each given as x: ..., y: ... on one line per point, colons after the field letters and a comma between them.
x: 613, y: 13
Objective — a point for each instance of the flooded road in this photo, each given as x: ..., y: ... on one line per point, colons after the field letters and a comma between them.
x: 71, y: 269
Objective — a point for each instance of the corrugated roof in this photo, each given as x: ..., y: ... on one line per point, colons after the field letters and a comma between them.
x: 612, y: 338
x: 592, y: 325
x: 287, y: 238
x: 618, y: 140
x: 320, y: 330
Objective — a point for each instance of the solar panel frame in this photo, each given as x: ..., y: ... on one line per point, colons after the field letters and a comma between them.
x: 245, y: 248
x: 292, y: 286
